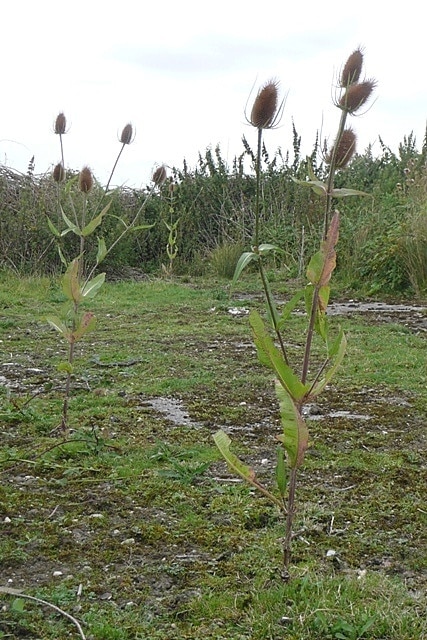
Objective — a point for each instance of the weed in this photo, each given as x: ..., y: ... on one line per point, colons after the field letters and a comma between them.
x: 294, y: 389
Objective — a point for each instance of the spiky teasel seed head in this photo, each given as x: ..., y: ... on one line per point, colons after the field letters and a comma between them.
x: 352, y: 69
x: 159, y: 176
x: 356, y: 96
x: 266, y: 109
x: 127, y: 134
x: 60, y: 124
x: 85, y: 180
x: 345, y: 150
x: 59, y: 173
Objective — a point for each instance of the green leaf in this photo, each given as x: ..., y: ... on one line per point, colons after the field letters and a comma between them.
x: 65, y: 367
x: 102, y: 251
x: 57, y: 324
x: 95, y: 222
x: 270, y: 356
x: 281, y: 475
x: 71, y: 226
x: 265, y: 249
x: 142, y: 227
x: 317, y: 186
x: 70, y: 282
x: 62, y: 257
x: 343, y: 193
x: 336, y: 351
x: 92, y: 287
x: 52, y: 228
x: 323, y: 262
x: 18, y: 605
x: 295, y: 432
x: 223, y: 442
x: 242, y: 263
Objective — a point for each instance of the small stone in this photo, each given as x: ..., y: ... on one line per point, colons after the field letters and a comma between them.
x: 7, y: 520
x: 57, y: 574
x: 331, y: 553
x: 96, y: 515
x: 128, y: 541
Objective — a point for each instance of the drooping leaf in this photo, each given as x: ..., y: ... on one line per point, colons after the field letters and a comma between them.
x: 336, y: 353
x: 87, y: 323
x: 52, y: 228
x: 265, y: 249
x: 317, y: 186
x: 92, y: 287
x: 343, y: 193
x: 57, y: 324
x: 295, y: 432
x: 323, y: 262
x: 223, y: 442
x: 102, y: 251
x: 95, y: 222
x: 269, y: 355
x: 242, y: 263
x: 70, y: 282
x: 281, y: 474
x: 62, y: 257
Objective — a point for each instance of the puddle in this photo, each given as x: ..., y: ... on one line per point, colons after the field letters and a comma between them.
x: 172, y: 409
x: 345, y: 308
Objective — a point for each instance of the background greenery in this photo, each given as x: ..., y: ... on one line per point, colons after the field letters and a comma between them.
x: 383, y: 237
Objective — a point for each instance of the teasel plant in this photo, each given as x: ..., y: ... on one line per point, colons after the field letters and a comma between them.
x: 79, y: 282
x: 298, y: 384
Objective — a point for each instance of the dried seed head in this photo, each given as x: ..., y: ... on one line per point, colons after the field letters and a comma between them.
x: 344, y: 151
x: 85, y: 180
x: 59, y: 173
x: 127, y: 134
x: 352, y: 69
x: 60, y: 124
x: 265, y: 108
x: 159, y: 175
x: 356, y: 96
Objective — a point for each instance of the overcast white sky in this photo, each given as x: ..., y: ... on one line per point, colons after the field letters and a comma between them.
x: 181, y: 73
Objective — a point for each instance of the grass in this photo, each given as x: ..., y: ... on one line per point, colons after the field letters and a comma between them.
x: 136, y: 527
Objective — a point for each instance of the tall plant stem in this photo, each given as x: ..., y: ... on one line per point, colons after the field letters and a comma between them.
x: 331, y: 176
x: 67, y: 391
x: 262, y: 274
x: 289, y: 519
x: 258, y: 187
x: 114, y: 167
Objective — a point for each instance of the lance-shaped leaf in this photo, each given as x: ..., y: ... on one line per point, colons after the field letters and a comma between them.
x: 102, y: 251
x: 281, y: 474
x: 336, y: 353
x: 322, y: 299
x: 223, y: 442
x: 323, y: 262
x: 265, y: 249
x: 317, y: 186
x: 344, y: 193
x: 60, y: 326
x: 87, y: 323
x: 70, y: 225
x: 52, y: 228
x: 95, y: 222
x: 242, y: 263
x: 70, y: 282
x: 92, y: 287
x: 295, y: 432
x: 269, y: 355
